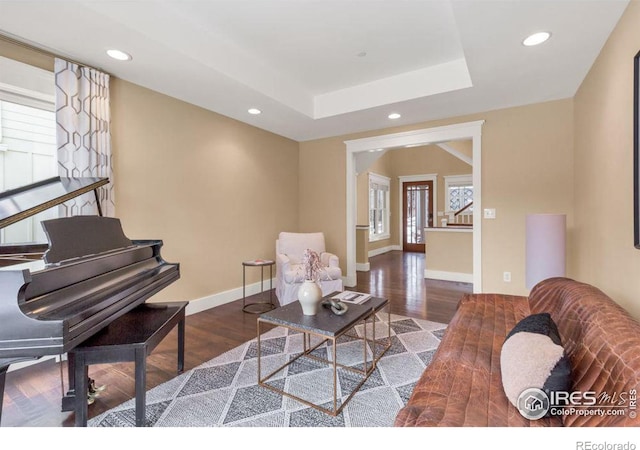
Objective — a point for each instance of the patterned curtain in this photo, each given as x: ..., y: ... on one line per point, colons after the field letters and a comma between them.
x: 83, y: 134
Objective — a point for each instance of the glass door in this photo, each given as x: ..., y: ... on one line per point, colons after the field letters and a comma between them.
x: 416, y: 212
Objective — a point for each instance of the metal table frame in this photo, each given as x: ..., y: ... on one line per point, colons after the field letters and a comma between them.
x: 362, y: 316
x: 259, y: 306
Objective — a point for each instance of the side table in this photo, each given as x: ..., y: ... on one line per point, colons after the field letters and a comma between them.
x: 261, y: 306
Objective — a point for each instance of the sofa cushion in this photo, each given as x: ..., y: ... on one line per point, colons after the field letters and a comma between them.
x: 462, y: 386
x: 601, y: 340
x: 532, y: 356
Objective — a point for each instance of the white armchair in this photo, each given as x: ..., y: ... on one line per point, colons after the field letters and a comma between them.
x: 290, y: 249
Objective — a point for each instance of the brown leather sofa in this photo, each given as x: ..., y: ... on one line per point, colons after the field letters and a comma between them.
x: 462, y: 386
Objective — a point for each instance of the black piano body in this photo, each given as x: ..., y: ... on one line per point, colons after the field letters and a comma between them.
x: 89, y: 275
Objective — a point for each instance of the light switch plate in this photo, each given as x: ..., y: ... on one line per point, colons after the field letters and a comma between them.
x: 489, y: 213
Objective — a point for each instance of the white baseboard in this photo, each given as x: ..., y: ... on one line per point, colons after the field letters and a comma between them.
x: 449, y: 276
x: 381, y: 250
x: 194, y: 306
x: 220, y: 298
x: 363, y: 267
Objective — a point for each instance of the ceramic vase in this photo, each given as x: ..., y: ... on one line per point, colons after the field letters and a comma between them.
x: 309, y: 296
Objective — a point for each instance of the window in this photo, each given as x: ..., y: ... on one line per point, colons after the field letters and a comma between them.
x: 379, y: 209
x: 459, y: 193
x: 27, y: 140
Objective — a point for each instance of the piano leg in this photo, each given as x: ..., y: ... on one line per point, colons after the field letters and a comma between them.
x: 69, y: 400
x: 81, y: 385
x: 3, y: 376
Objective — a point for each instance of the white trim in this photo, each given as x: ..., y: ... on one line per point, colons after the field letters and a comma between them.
x: 379, y: 237
x: 450, y: 229
x: 448, y: 276
x: 377, y: 178
x: 27, y: 97
x: 387, y: 249
x: 464, y: 178
x: 363, y: 267
x: 23, y: 364
x: 221, y: 298
x: 458, y: 154
x: 433, y: 177
x: 467, y: 130
x: 385, y: 181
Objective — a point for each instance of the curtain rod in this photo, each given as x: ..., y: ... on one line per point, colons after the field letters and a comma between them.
x: 12, y: 40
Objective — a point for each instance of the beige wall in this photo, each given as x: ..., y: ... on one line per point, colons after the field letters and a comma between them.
x: 603, y: 251
x: 449, y: 251
x: 527, y: 167
x: 13, y: 51
x: 215, y: 190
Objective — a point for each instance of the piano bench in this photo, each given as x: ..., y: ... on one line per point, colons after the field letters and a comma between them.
x: 129, y: 338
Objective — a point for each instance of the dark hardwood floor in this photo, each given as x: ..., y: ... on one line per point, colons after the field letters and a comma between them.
x: 32, y: 395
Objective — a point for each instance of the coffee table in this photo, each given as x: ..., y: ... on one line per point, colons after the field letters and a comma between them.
x: 329, y: 328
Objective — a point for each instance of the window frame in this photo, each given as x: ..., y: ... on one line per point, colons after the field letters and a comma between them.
x: 24, y: 85
x: 381, y: 180
x: 452, y: 181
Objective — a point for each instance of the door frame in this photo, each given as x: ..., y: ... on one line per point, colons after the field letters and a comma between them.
x: 426, y: 136
x: 433, y: 177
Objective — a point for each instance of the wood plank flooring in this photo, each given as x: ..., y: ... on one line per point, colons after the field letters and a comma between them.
x: 32, y: 395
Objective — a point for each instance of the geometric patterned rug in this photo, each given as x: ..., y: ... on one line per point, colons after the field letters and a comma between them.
x: 224, y: 392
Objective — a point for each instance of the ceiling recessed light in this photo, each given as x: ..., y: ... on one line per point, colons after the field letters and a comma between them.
x: 254, y: 111
x: 536, y: 38
x: 119, y: 55
x: 394, y: 116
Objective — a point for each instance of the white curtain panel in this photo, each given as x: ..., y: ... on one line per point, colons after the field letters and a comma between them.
x: 83, y: 134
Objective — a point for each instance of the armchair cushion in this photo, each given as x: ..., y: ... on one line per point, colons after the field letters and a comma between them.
x: 290, y: 248
x: 294, y: 244
x: 295, y: 274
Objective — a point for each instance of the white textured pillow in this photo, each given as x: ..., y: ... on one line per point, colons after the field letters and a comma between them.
x: 532, y: 356
x: 526, y: 361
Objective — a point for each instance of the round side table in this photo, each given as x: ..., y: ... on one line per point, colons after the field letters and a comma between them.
x: 261, y: 306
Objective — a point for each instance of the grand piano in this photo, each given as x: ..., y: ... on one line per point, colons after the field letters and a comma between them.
x: 54, y: 296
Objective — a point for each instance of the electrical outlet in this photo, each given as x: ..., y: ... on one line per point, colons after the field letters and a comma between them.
x: 506, y: 277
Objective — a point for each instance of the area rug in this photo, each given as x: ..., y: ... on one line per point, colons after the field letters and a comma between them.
x: 224, y: 392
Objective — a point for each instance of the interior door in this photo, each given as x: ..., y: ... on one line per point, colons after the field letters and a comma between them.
x: 416, y: 213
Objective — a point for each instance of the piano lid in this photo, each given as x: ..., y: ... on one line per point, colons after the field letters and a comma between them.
x: 21, y: 203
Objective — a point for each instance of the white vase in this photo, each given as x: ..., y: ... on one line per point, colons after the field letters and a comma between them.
x: 309, y: 296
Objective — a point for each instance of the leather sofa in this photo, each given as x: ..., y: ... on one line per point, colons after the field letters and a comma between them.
x: 462, y: 385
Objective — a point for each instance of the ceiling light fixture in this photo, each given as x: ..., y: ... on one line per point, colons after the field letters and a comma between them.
x: 119, y: 55
x: 394, y: 116
x: 254, y: 111
x: 536, y: 38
